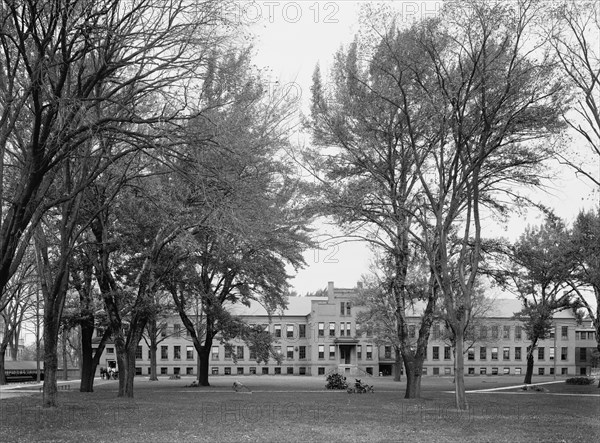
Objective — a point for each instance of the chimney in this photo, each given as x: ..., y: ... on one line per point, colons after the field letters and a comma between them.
x: 330, y: 292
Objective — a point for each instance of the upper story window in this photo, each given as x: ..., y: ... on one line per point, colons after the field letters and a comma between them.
x: 321, y: 329
x: 302, y: 331
x: 332, y: 329
x: 345, y: 308
x: 289, y: 332
x: 278, y: 331
x: 177, y: 330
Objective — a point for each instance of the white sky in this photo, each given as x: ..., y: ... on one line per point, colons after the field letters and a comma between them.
x: 291, y: 37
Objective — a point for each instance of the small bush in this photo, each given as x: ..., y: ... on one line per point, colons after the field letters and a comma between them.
x: 580, y: 381
x: 336, y: 381
x: 534, y: 388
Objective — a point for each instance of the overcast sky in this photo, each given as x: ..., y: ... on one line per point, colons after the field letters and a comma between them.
x: 291, y: 37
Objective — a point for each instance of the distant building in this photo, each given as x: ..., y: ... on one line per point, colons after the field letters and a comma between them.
x: 318, y: 335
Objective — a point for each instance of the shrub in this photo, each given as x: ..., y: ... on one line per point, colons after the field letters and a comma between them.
x: 336, y: 381
x: 580, y: 381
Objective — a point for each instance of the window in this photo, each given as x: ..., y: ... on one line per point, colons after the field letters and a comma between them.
x: 176, y: 371
x: 447, y: 352
x: 518, y: 331
x: 494, y: 371
x: 495, y: 332
x: 482, y: 371
x: 302, y: 331
x: 436, y: 371
x: 471, y: 354
x: 506, y: 353
x: 564, y: 332
x: 163, y: 371
x: 482, y: 353
x: 369, y: 370
x: 551, y: 353
x: 177, y: 330
x: 387, y: 352
x: 321, y: 351
x: 138, y: 352
x: 290, y: 370
x: 302, y: 370
x: 289, y: 332
x: 278, y: 331
x: 541, y: 371
x: 277, y: 349
x: 215, y: 353
x: 110, y: 350
x: 138, y: 371
x: 302, y: 353
x: 517, y: 371
x: 189, y: 371
x: 189, y: 352
x: 342, y: 329
x: 331, y: 351
x: 332, y: 329
x: 265, y: 371
x: 518, y: 353
x: 412, y: 331
x: 163, y: 330
x: 227, y: 352
x: 582, y: 354
x: 471, y: 371
x: 483, y: 332
x: 321, y: 329
x: 177, y: 352
x: 164, y: 352
x: 541, y: 353
x: 436, y: 353
x: 252, y: 354
x: 506, y: 371
x: 564, y: 371
x: 253, y: 370
x: 506, y: 332
x: 551, y: 371
x: 277, y: 371
x: 227, y: 371
x: 290, y: 352
x: 369, y: 352
x: 359, y: 352
x: 436, y: 331
x: 240, y: 352
x: 552, y: 332
x: 321, y: 371
x: 215, y: 371
x: 494, y: 353
x: 447, y: 371
x: 345, y: 308
x: 348, y: 328
x: 563, y: 353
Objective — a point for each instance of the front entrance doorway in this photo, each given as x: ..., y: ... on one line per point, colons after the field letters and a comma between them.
x: 345, y: 354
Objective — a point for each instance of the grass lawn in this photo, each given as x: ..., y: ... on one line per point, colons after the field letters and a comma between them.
x: 292, y: 408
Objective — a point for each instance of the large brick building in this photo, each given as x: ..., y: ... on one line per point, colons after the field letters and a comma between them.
x: 316, y: 335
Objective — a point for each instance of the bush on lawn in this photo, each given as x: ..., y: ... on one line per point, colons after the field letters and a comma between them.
x: 336, y: 381
x: 580, y: 381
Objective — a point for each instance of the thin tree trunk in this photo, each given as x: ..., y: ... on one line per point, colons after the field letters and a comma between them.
x: 153, y: 372
x: 459, y: 370
x: 398, y: 366
x: 2, y: 366
x: 529, y: 370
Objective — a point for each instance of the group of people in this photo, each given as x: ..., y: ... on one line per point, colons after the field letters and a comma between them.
x: 109, y: 373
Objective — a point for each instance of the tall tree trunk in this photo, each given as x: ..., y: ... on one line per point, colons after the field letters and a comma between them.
x: 50, y: 358
x: 414, y: 371
x: 398, y: 366
x: 459, y: 369
x: 64, y: 355
x: 153, y: 372
x: 2, y: 356
x: 529, y: 370
x: 204, y: 356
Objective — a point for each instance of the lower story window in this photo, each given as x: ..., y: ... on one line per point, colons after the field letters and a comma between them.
x: 265, y: 371
x: 369, y: 370
x: 215, y: 371
x: 517, y: 371
x: 138, y: 371
x: 189, y: 371
x: 302, y: 370
x: 436, y: 371
x: 227, y: 371
x: 163, y: 371
x: 541, y: 371
x: 471, y: 371
x: 277, y: 371
x: 253, y: 370
x: 482, y: 371
x: 321, y: 371
x: 290, y: 371
x: 240, y: 371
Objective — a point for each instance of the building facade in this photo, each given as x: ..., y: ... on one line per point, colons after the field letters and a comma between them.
x: 319, y: 335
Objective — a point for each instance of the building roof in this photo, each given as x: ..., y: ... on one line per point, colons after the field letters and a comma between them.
x: 297, y: 306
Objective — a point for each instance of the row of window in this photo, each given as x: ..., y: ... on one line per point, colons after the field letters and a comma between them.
x: 517, y: 352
